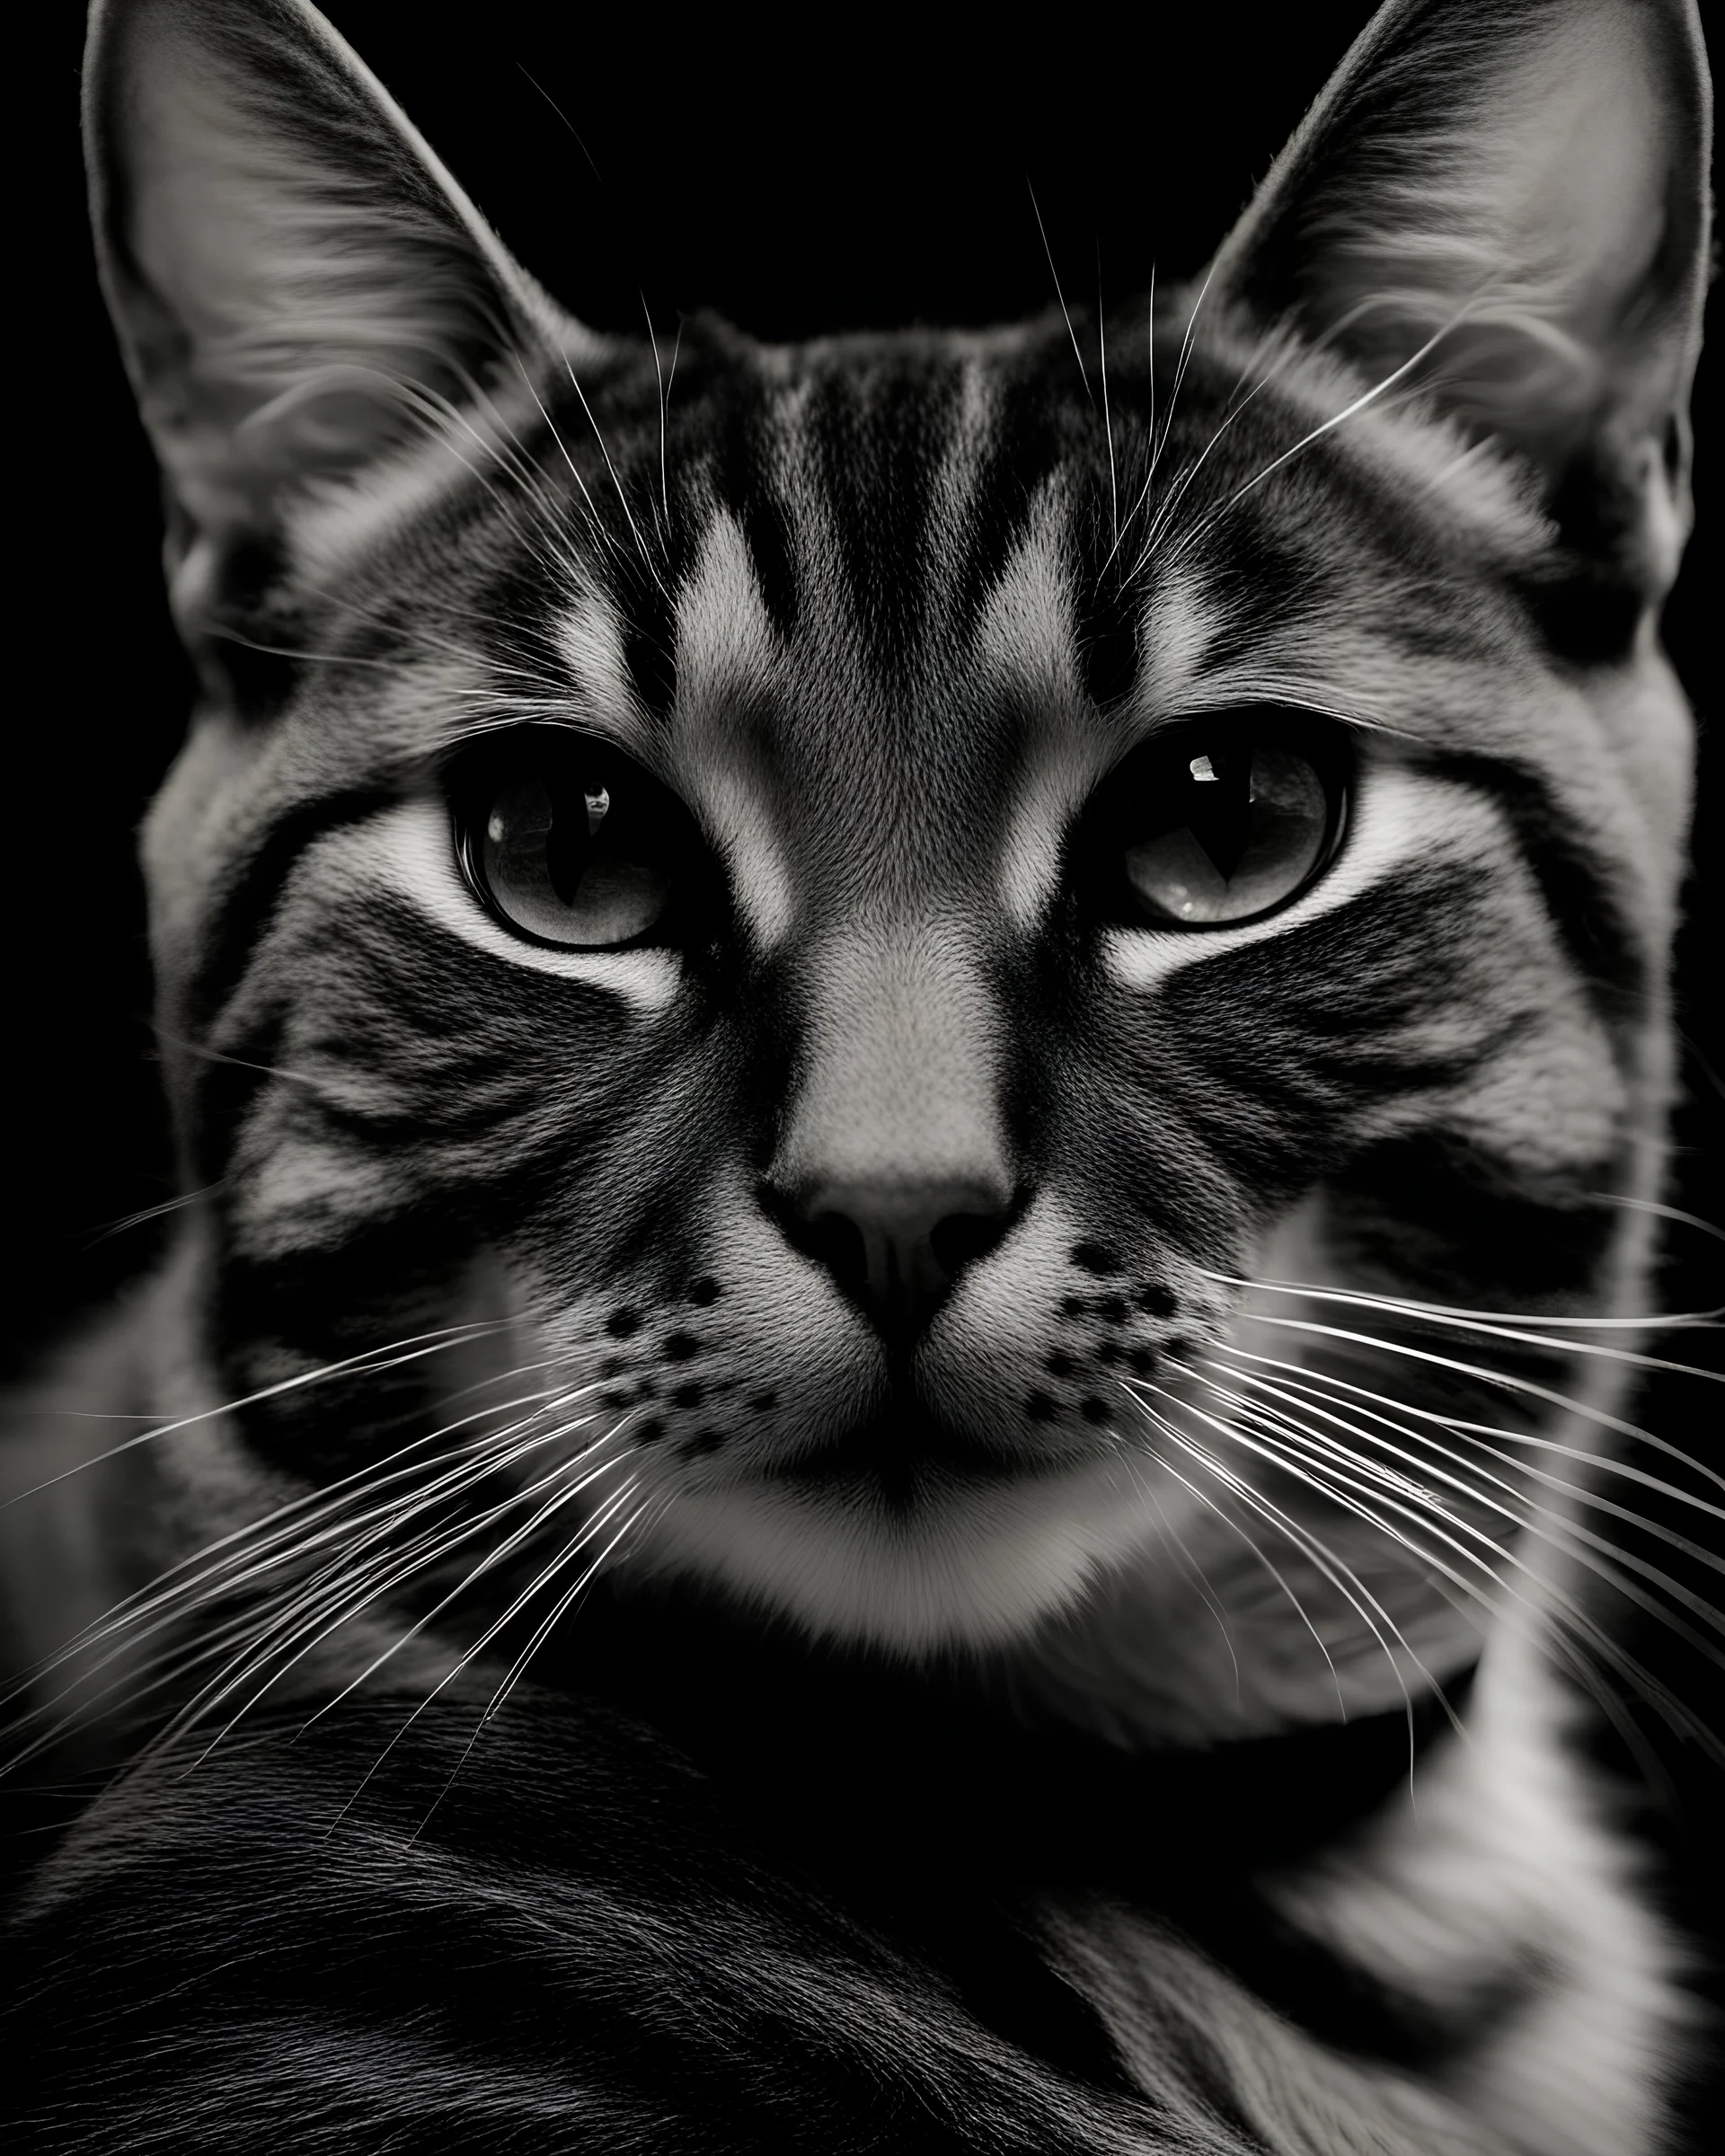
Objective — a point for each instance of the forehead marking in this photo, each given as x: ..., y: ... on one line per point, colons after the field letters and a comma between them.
x: 589, y: 641
x: 1179, y: 625
x: 728, y: 654
x: 953, y: 501
x: 725, y: 639
x: 1024, y: 634
x: 1025, y: 645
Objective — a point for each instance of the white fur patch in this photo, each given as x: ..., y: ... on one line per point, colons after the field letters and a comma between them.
x: 1025, y: 628
x: 725, y: 639
x: 1024, y: 642
x: 974, y: 1567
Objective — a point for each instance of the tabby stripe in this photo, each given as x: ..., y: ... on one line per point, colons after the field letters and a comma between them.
x: 1593, y: 927
x: 1023, y: 447
x: 243, y: 910
x: 742, y: 454
x: 877, y: 453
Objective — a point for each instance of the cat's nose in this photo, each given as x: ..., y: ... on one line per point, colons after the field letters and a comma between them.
x: 891, y: 1166
x: 895, y: 1249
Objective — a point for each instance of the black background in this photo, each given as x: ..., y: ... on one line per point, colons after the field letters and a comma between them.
x: 795, y: 173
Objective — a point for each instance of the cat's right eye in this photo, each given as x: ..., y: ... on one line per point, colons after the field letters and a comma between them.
x: 567, y: 841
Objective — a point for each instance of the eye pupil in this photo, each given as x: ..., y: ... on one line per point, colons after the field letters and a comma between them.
x: 566, y: 853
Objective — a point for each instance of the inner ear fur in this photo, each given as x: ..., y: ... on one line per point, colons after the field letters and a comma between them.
x: 1504, y: 203
x: 297, y: 284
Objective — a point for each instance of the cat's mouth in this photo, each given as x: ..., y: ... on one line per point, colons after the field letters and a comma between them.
x: 906, y: 1449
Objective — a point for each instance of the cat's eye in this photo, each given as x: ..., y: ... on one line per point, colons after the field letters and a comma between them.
x: 567, y: 841
x: 1221, y: 820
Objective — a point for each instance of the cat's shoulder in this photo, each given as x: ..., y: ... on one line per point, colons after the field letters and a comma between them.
x: 456, y: 1933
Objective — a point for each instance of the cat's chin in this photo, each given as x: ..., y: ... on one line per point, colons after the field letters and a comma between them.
x: 969, y: 1563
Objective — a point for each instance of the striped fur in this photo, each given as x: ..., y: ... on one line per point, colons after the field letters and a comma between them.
x: 821, y: 1824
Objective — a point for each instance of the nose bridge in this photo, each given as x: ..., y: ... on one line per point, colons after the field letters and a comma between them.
x: 898, y: 1082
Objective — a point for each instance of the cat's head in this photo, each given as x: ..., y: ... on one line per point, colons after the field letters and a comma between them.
x: 851, y: 897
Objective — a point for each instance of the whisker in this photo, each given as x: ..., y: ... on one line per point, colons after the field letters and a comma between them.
x: 1504, y: 1381
x: 303, y: 1521
x: 1204, y: 1498
x: 1157, y: 445
x: 1329, y: 1563
x: 1108, y: 424
x: 233, y: 1559
x: 664, y: 484
x: 1660, y: 1212
x: 588, y: 1575
x: 312, y: 1612
x: 563, y: 116
x: 1083, y: 372
x: 512, y: 1677
x: 629, y: 516
x: 1188, y: 1563
x: 598, y: 522
x: 1560, y: 1533
x: 1481, y: 1431
x: 1368, y: 397
x: 391, y: 1357
x: 263, y: 1631
x: 396, y: 1566
x: 1499, y: 1325
x: 1183, y: 486
x: 1231, y: 1433
x: 148, y: 1212
x: 566, y: 1492
x: 593, y: 1527
x: 1437, y: 1518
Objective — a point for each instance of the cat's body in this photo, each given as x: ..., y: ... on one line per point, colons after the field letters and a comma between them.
x: 912, y: 1102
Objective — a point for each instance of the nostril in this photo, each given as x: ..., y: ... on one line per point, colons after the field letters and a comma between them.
x: 834, y: 1239
x: 962, y: 1238
x: 822, y: 1231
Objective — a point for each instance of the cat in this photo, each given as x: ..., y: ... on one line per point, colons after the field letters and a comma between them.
x: 918, y: 1109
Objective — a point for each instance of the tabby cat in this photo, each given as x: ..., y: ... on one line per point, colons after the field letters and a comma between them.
x: 921, y: 1089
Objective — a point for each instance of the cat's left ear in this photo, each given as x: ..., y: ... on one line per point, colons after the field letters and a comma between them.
x: 1504, y: 203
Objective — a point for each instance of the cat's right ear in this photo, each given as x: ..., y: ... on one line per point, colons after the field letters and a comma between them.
x: 1503, y: 205
x: 299, y: 284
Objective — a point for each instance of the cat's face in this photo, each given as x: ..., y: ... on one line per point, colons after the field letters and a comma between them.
x: 854, y: 910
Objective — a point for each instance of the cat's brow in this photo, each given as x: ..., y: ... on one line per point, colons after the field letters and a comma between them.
x: 725, y: 637
x: 589, y: 635
x: 1180, y: 625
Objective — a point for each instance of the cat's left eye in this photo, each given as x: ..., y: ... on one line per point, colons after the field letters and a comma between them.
x: 567, y: 841
x: 1221, y: 820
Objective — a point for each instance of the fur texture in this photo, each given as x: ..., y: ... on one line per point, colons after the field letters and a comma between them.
x: 791, y: 1468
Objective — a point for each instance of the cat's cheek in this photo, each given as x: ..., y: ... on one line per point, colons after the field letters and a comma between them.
x: 1399, y: 817
x: 411, y: 849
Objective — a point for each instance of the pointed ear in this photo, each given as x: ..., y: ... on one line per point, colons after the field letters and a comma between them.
x: 1508, y: 199
x: 289, y: 267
